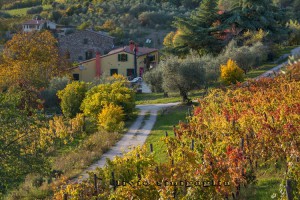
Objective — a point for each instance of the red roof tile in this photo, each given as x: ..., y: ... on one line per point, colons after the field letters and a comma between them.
x: 141, y: 50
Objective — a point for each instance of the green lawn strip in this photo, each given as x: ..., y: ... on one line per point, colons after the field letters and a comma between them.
x: 165, y: 122
x: 286, y: 50
x: 154, y: 98
x: 259, y: 71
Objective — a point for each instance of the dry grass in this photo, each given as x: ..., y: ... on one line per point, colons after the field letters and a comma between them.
x: 72, y: 163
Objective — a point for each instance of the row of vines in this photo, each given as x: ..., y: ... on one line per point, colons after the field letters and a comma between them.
x: 217, y: 151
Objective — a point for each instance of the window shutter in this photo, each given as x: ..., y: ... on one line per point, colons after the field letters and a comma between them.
x: 119, y: 57
x: 126, y: 57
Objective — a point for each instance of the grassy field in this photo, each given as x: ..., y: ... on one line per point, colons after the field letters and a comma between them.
x: 165, y: 121
x: 23, y: 11
x: 259, y: 71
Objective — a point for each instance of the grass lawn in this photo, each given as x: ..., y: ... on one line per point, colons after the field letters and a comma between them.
x: 165, y: 121
x: 264, y: 189
x: 23, y: 11
x: 153, y: 98
x: 287, y: 49
x: 259, y: 71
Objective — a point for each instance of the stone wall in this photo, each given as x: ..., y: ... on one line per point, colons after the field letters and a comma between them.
x: 79, y: 43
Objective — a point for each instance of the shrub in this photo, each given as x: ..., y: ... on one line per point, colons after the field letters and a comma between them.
x: 111, y: 118
x: 49, y: 95
x: 154, y: 78
x: 231, y: 73
x: 35, y: 10
x: 116, y: 92
x: 71, y: 97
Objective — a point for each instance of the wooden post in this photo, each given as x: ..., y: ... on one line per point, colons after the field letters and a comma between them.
x: 289, y: 191
x: 65, y: 197
x: 113, y: 180
x: 137, y: 155
x: 151, y: 148
x: 95, y: 184
x: 242, y: 144
x: 233, y: 197
x: 193, y: 144
x: 166, y: 134
x: 83, y: 126
x: 174, y: 130
x: 156, y: 169
x: 174, y: 193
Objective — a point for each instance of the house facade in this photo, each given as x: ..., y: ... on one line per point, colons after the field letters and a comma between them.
x: 124, y: 61
x: 37, y: 25
x: 83, y: 45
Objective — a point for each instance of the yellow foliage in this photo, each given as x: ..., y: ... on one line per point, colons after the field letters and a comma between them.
x: 111, y: 118
x: 30, y: 60
x: 168, y: 40
x: 231, y: 72
x: 254, y: 37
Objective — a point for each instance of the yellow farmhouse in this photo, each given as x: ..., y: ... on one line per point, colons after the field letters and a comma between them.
x: 126, y: 61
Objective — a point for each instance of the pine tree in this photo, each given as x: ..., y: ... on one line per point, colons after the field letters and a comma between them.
x: 199, y: 31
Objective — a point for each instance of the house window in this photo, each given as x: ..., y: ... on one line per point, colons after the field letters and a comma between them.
x: 88, y: 55
x: 85, y: 41
x: 113, y: 71
x: 122, y: 57
x: 130, y: 72
x: 80, y: 58
x: 152, y: 58
x: 76, y: 77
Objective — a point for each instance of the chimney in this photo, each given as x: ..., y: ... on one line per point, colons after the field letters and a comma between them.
x: 136, y: 47
x: 131, y: 45
x: 98, y: 64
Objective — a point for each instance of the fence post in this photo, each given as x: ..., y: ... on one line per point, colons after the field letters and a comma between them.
x: 65, y: 196
x: 289, y: 191
x: 83, y: 126
x: 95, y: 184
x: 151, y: 148
x: 193, y: 144
x: 166, y: 134
x: 174, y: 130
x: 113, y: 180
x: 242, y: 144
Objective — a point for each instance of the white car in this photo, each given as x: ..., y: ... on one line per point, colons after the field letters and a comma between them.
x: 136, y: 80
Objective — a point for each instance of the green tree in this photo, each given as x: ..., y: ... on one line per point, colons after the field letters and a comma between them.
x: 199, y: 32
x: 71, y: 98
x: 182, y: 75
x: 21, y: 150
x: 254, y: 15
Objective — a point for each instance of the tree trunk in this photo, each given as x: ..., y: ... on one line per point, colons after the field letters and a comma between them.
x: 184, y: 96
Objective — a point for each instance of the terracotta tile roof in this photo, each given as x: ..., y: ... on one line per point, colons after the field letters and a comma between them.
x: 34, y: 22
x: 141, y: 50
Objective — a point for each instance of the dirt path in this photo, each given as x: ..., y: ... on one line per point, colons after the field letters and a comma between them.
x: 136, y: 135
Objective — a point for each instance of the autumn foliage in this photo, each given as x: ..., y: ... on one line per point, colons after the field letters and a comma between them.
x: 229, y: 136
x: 231, y: 73
x: 111, y: 118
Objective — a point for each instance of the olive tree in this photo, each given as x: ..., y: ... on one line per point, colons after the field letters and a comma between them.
x: 182, y: 76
